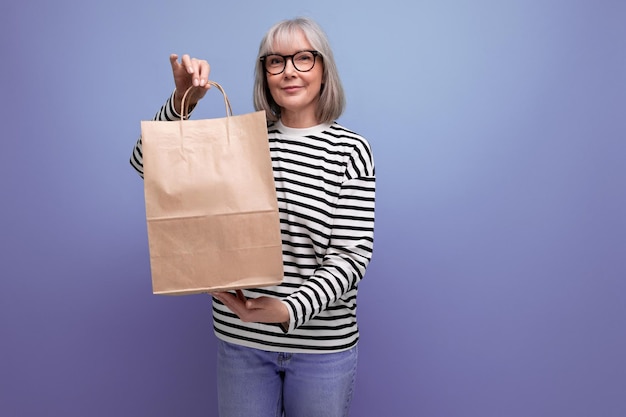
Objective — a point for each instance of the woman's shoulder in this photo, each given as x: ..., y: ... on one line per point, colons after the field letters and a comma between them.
x: 348, y: 135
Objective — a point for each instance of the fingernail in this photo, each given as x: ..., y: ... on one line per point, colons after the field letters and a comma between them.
x: 190, y: 70
x: 202, y: 81
x: 195, y: 82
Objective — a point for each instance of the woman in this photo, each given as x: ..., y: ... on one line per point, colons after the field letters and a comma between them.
x: 292, y: 348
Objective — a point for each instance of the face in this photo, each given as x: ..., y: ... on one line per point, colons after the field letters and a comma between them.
x: 297, y: 93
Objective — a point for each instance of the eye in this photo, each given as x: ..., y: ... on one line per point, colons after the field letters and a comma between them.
x: 275, y: 60
x: 304, y: 57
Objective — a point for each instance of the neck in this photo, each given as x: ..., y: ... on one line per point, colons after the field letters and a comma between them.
x: 298, y: 120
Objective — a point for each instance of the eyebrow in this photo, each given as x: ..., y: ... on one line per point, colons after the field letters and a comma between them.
x: 297, y: 52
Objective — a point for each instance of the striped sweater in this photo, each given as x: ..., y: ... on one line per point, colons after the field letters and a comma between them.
x: 325, y: 185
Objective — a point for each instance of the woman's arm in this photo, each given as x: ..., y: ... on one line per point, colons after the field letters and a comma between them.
x: 187, y: 73
x: 347, y: 257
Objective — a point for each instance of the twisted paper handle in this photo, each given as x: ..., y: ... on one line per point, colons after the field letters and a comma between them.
x: 185, y: 110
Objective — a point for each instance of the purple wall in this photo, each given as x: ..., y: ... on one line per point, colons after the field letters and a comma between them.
x: 498, y: 281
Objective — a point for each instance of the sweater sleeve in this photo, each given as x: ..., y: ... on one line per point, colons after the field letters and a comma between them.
x: 350, y: 246
x: 167, y: 112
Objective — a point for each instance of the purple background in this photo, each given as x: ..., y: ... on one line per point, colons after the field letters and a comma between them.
x: 498, y: 280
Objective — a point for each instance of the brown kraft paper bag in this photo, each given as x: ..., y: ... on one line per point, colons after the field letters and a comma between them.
x: 211, y: 207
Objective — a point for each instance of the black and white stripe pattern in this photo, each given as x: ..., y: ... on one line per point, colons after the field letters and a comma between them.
x: 166, y: 113
x: 325, y: 185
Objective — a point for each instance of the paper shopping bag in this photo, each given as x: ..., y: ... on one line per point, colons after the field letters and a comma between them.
x: 211, y: 207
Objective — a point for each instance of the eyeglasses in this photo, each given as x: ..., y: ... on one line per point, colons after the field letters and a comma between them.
x: 302, y: 61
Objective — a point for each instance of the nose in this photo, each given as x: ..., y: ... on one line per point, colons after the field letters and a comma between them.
x: 289, y: 67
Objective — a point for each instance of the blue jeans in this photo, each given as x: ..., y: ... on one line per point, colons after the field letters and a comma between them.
x: 258, y: 383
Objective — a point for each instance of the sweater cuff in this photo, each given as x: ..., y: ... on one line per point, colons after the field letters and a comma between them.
x: 289, y: 326
x: 168, y: 112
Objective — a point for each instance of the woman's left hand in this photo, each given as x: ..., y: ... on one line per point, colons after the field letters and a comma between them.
x: 257, y: 310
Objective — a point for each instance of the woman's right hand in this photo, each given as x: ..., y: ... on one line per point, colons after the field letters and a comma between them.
x: 187, y: 73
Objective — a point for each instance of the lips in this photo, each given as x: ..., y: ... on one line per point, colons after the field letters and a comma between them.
x: 291, y: 89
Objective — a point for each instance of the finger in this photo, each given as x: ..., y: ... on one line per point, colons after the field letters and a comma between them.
x: 255, y: 303
x: 218, y: 297
x: 174, y: 61
x: 186, y: 62
x: 203, y: 72
x: 236, y: 306
x: 223, y: 297
x: 229, y: 301
x: 240, y: 296
x: 195, y: 74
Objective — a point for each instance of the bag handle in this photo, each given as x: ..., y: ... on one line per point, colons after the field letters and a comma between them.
x: 185, y: 110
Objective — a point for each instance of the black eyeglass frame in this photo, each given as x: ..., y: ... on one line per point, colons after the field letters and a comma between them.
x: 285, y: 57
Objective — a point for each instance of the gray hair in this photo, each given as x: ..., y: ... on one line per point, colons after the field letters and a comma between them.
x: 332, y: 98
